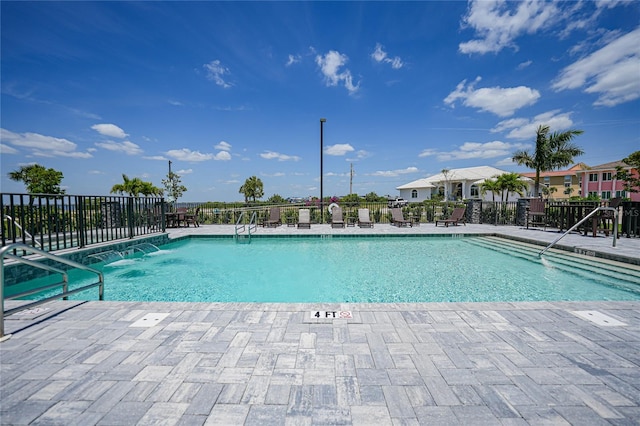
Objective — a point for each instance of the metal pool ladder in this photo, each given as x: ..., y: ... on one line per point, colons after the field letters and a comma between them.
x: 5, y: 253
x: 584, y: 219
x: 242, y: 231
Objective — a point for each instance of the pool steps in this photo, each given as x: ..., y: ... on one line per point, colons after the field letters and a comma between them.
x: 614, y: 273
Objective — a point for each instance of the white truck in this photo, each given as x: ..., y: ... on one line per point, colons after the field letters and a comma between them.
x: 397, y: 202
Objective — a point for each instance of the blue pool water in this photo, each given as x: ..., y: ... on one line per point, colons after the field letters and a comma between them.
x: 409, y: 269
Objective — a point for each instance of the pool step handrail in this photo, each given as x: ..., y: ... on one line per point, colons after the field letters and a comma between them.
x: 253, y: 223
x: 240, y: 228
x: 15, y: 223
x: 6, y: 253
x: 244, y: 231
x: 584, y: 219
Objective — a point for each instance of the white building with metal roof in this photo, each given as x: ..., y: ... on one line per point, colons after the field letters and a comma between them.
x: 453, y: 184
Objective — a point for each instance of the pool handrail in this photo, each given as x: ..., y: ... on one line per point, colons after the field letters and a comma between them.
x: 15, y: 222
x: 5, y: 253
x: 584, y: 219
x: 240, y: 228
x: 253, y: 223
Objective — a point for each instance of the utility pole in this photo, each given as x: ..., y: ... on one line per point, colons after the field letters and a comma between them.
x: 169, y: 167
x: 351, y: 181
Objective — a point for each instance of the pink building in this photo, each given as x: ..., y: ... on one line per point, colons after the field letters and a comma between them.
x: 601, y: 181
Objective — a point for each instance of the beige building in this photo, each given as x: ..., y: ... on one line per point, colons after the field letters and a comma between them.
x: 562, y: 184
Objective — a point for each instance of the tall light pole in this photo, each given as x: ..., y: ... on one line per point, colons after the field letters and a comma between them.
x: 322, y: 121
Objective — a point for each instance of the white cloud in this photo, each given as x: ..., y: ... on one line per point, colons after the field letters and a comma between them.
x: 380, y: 56
x: 216, y: 72
x: 127, y: 147
x: 523, y: 65
x: 360, y: 155
x: 223, y: 146
x: 498, y: 23
x: 156, y: 157
x: 507, y: 161
x: 473, y: 150
x: 184, y: 172
x: 523, y: 128
x: 611, y: 72
x: 330, y: 65
x: 185, y: 154
x: 293, y: 59
x: 110, y: 130
x: 222, y: 156
x: 338, y: 149
x: 43, y: 146
x: 6, y: 149
x: 270, y: 155
x: 500, y: 101
x: 428, y: 152
x: 394, y: 173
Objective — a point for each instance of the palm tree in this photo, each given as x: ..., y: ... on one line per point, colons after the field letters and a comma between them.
x: 134, y: 187
x: 490, y: 185
x: 510, y: 182
x: 252, y: 188
x: 553, y: 151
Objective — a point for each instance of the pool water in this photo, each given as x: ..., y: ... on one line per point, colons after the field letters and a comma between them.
x: 409, y: 269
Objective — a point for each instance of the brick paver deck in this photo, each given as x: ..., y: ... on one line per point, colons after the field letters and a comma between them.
x: 109, y: 363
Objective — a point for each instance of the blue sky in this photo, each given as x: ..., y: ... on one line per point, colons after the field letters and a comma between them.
x: 228, y: 90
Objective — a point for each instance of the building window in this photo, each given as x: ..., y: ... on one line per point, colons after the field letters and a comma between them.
x: 547, y: 180
x: 567, y: 181
x: 475, y: 192
x: 592, y: 194
x: 621, y: 194
x: 606, y: 195
x: 593, y: 177
x: 414, y: 193
x: 606, y: 176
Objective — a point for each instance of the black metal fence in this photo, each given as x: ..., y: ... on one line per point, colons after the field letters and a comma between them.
x: 55, y: 222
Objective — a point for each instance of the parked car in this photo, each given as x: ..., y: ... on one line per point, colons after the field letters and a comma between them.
x: 397, y: 202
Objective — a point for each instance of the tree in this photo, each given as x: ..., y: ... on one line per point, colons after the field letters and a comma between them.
x: 276, y: 199
x: 252, y: 188
x: 173, y: 186
x: 548, y: 191
x: 134, y: 187
x: 490, y: 185
x: 38, y: 179
x: 553, y: 151
x: 631, y: 180
x: 445, y: 174
x: 372, y: 197
x: 510, y: 182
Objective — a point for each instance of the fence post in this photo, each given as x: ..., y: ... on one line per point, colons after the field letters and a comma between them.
x: 130, y: 217
x: 80, y: 221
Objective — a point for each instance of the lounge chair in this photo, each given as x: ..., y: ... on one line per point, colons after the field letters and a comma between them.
x: 398, y: 219
x: 192, y: 218
x: 274, y: 218
x: 337, y: 221
x: 536, y: 213
x: 304, y: 218
x: 456, y: 217
x: 364, y: 220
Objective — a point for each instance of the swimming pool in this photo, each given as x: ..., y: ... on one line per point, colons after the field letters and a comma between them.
x: 376, y: 270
